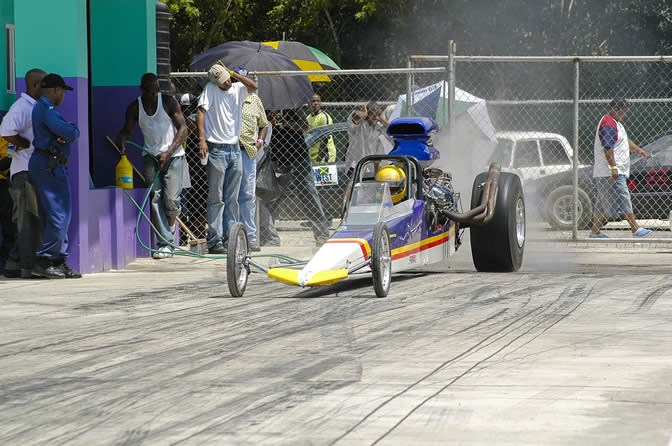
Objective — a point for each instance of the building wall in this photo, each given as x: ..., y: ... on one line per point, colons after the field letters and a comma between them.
x: 123, y: 48
x: 54, y: 36
x: 6, y: 17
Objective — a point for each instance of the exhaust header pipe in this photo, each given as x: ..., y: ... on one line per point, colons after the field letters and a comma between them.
x: 483, y: 213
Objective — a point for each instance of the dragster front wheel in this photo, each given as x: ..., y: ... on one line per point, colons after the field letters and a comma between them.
x: 381, y: 260
x: 237, y: 269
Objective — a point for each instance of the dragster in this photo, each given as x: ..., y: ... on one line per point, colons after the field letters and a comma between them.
x: 402, y: 214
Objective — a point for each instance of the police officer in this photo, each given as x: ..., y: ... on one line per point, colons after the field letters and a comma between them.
x: 53, y: 136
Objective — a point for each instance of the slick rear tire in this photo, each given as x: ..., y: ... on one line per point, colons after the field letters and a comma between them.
x: 381, y: 260
x: 237, y: 270
x: 499, y: 245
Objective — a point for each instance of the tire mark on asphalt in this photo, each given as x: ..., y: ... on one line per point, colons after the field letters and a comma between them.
x: 437, y: 369
x: 478, y: 364
x: 646, y: 300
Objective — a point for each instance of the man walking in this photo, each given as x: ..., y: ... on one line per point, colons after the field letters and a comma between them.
x: 611, y: 169
x: 163, y: 127
x: 17, y: 129
x: 46, y: 168
x: 253, y: 131
x: 218, y: 118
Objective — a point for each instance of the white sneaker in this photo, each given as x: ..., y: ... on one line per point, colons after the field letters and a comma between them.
x: 163, y: 253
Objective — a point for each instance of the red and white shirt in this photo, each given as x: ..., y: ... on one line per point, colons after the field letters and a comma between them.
x: 611, y: 134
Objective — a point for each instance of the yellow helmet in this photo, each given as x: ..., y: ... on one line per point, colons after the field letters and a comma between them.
x: 395, y: 177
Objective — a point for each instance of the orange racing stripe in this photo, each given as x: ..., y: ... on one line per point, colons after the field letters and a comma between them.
x: 422, y: 245
x: 363, y: 244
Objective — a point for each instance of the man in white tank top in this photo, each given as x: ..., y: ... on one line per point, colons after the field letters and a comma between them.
x: 164, y: 130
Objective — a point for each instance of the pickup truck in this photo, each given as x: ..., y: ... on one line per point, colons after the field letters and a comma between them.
x: 538, y: 156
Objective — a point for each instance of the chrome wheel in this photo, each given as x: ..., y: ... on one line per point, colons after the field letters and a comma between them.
x: 237, y: 268
x: 520, y: 222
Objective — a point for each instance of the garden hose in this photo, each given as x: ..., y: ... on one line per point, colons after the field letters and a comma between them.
x: 176, y: 249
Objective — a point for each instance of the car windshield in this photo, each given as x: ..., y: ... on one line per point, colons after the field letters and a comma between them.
x: 370, y: 203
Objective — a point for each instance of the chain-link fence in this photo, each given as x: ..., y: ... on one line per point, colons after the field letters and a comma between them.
x: 546, y: 112
x: 312, y: 164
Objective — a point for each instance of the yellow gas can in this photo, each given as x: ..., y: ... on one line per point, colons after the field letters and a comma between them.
x: 124, y: 173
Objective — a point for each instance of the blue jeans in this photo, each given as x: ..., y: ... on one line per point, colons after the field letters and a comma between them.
x: 165, y: 196
x: 613, y: 196
x: 247, y: 197
x: 224, y: 171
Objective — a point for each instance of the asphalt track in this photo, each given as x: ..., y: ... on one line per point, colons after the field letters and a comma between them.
x: 576, y: 348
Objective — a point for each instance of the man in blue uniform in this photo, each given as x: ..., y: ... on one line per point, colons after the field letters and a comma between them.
x: 53, y: 136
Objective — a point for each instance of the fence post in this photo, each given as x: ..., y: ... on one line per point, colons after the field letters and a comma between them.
x: 575, y: 161
x: 451, y: 86
x: 409, y: 89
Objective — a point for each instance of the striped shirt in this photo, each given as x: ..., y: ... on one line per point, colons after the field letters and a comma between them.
x: 254, y: 118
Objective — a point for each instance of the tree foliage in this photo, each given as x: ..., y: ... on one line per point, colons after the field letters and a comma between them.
x: 366, y: 33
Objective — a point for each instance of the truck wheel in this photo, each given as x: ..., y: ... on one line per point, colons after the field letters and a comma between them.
x: 237, y: 269
x: 498, y: 246
x: 559, y: 209
x: 381, y: 260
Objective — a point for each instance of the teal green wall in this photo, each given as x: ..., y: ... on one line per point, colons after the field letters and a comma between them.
x: 6, y: 17
x: 123, y: 41
x: 60, y: 45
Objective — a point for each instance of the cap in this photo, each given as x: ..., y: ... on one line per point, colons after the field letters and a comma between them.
x: 218, y: 75
x: 53, y: 80
x: 619, y: 102
x: 187, y: 99
x: 240, y: 69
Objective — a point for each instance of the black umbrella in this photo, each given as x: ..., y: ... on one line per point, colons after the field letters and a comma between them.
x: 276, y: 92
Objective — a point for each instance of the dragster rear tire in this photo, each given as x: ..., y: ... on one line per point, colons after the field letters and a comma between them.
x: 499, y: 245
x: 381, y: 260
x: 237, y: 270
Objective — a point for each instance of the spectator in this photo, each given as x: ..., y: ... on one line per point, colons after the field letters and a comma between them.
x: 17, y: 129
x: 611, y: 169
x: 325, y: 150
x: 366, y: 127
x: 290, y: 153
x: 219, y: 115
x: 193, y: 208
x: 164, y: 130
x: 46, y: 168
x: 251, y: 139
x: 7, y: 226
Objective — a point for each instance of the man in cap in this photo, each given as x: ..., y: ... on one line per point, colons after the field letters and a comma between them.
x: 611, y: 169
x: 253, y: 131
x: 164, y: 130
x: 218, y: 118
x: 53, y: 137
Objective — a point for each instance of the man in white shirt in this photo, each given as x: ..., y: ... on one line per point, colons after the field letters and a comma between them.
x: 218, y: 118
x: 365, y: 129
x: 17, y: 129
x: 611, y: 169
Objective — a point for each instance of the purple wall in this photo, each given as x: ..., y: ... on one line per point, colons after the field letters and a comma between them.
x: 109, y: 107
x: 102, y: 231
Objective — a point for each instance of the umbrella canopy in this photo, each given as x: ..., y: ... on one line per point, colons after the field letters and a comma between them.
x: 276, y: 92
x: 306, y: 57
x: 432, y: 101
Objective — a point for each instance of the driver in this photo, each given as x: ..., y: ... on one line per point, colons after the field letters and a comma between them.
x: 395, y: 177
